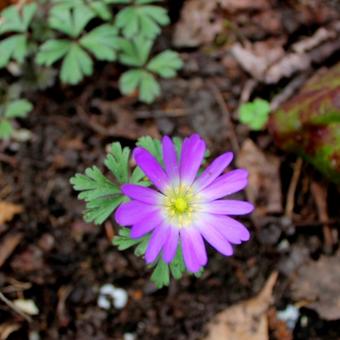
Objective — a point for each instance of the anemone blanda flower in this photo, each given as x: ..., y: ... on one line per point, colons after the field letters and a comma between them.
x: 185, y: 208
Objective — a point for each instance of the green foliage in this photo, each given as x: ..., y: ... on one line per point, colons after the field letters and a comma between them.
x: 255, y: 114
x: 142, y: 19
x: 17, y: 108
x: 66, y: 37
x: 135, y: 53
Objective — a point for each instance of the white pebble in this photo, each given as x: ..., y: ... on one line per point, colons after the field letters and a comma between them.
x: 109, y: 294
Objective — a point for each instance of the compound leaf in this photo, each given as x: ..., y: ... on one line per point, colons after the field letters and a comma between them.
x: 141, y: 20
x: 51, y: 51
x: 165, y: 64
x: 76, y: 64
x: 149, y: 88
x: 70, y: 21
x: 117, y: 161
x: 102, y: 42
x: 18, y: 20
x: 135, y: 52
x: 14, y: 47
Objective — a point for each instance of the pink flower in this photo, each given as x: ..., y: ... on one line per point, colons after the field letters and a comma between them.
x: 185, y: 208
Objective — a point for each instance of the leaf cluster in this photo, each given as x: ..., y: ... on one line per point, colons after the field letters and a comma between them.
x: 77, y: 32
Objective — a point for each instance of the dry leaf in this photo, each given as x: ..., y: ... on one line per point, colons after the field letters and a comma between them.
x: 268, y: 63
x: 8, y: 245
x: 264, y: 188
x: 7, y: 328
x: 8, y: 210
x: 202, y: 20
x: 256, y: 58
x: 317, y: 285
x: 246, y: 320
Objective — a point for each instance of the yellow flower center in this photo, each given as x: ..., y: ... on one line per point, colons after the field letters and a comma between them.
x: 179, y: 205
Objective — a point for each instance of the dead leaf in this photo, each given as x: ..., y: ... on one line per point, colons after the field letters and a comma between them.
x: 7, y: 328
x: 264, y: 188
x: 8, y: 210
x: 256, y: 58
x: 202, y: 20
x: 317, y: 286
x: 246, y: 320
x: 8, y: 245
x: 266, y: 60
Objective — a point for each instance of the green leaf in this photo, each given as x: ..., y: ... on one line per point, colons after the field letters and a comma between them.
x: 149, y: 88
x: 102, y: 42
x: 142, y: 20
x: 13, y: 19
x: 141, y: 247
x: 93, y: 185
x: 165, y: 64
x: 117, y: 161
x: 14, y: 47
x: 18, y: 108
x: 130, y: 80
x: 99, y: 210
x: 76, y: 64
x: 139, y: 79
x: 154, y: 146
x: 101, y: 10
x: 177, y: 266
x: 135, y: 52
x: 123, y: 241
x: 6, y: 129
x: 70, y: 21
x: 143, y: 2
x: 255, y: 114
x: 118, y: 1
x: 137, y: 176
x: 160, y: 276
x: 102, y: 196
x: 51, y: 51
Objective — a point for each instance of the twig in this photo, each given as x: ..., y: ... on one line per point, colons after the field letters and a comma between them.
x: 248, y: 90
x: 220, y: 101
x: 11, y: 305
x: 292, y: 188
x: 320, y: 196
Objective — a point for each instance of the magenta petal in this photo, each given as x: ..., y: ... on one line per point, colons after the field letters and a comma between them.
x: 224, y: 185
x: 141, y: 193
x: 157, y: 240
x: 213, y: 170
x: 150, y: 222
x: 132, y: 212
x: 170, y: 246
x: 193, y: 149
x: 215, y: 239
x: 194, y: 252
x: 227, y: 207
x: 232, y: 230
x: 170, y: 158
x: 151, y: 168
